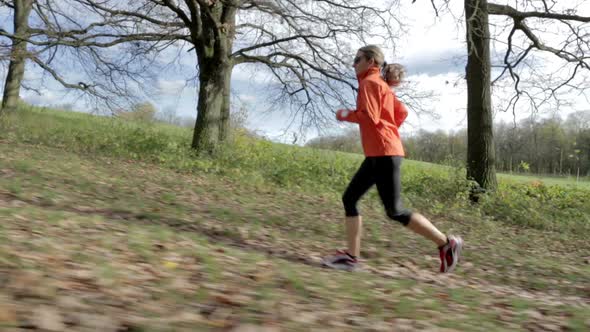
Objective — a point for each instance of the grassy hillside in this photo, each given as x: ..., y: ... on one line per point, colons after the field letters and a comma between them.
x: 109, y: 225
x: 437, y: 189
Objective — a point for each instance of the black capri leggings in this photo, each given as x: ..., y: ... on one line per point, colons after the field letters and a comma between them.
x: 385, y: 173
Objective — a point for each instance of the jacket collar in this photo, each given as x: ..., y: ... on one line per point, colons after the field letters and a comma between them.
x: 370, y: 71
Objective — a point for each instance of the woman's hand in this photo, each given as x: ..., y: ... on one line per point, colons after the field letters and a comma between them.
x: 342, y: 114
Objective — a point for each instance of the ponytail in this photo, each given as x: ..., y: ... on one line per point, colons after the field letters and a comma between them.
x: 393, y: 73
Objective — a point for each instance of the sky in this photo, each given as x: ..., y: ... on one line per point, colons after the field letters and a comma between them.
x: 433, y: 51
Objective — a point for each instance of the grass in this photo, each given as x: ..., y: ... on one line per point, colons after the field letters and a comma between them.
x: 180, y: 242
x: 259, y: 164
x: 570, y: 181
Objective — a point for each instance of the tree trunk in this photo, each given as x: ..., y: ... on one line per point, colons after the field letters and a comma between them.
x: 480, y: 144
x: 212, y: 125
x: 18, y: 54
x: 560, y: 161
x: 213, y: 47
x: 224, y: 125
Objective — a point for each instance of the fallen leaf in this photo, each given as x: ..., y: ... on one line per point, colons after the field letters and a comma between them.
x: 306, y: 317
x: 31, y: 284
x: 47, y: 318
x: 189, y: 317
x: 170, y: 265
x: 254, y: 328
x: 7, y: 314
x: 71, y: 302
x: 233, y: 300
x: 552, y: 327
x: 98, y: 322
x: 534, y: 314
x: 83, y: 275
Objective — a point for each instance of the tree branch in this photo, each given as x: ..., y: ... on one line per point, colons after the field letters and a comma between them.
x: 282, y: 40
x: 117, y: 39
x: 181, y: 14
x: 7, y: 4
x: 494, y: 9
x: 79, y: 86
x: 93, y: 3
x: 539, y: 45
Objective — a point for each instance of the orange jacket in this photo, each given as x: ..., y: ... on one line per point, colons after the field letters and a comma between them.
x: 379, y: 114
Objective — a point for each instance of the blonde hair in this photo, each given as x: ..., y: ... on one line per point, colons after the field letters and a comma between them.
x: 373, y: 52
x: 393, y: 74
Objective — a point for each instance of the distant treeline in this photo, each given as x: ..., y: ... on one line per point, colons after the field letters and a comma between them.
x: 542, y: 146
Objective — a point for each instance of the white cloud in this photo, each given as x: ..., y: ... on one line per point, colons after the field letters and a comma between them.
x: 429, y: 35
x: 448, y: 102
x: 6, y: 19
x: 252, y: 74
x: 247, y: 98
x: 46, y: 97
x: 170, y: 87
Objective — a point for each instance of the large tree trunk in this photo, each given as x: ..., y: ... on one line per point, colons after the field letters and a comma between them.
x: 480, y: 140
x: 18, y: 54
x: 213, y: 48
x: 211, y: 127
x: 224, y: 127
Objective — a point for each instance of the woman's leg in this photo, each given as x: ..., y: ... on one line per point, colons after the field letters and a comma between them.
x: 358, y: 186
x: 389, y: 186
x: 354, y: 230
x: 420, y: 225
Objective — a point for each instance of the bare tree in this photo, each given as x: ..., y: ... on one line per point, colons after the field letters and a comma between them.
x: 543, y: 32
x: 520, y: 29
x: 307, y: 46
x: 74, y: 46
x: 480, y: 139
x: 16, y: 67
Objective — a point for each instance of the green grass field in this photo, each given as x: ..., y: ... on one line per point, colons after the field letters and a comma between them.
x: 109, y: 226
x: 582, y: 182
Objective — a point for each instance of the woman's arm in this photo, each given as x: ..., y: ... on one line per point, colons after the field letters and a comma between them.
x: 347, y: 115
x: 368, y: 105
x: 399, y: 110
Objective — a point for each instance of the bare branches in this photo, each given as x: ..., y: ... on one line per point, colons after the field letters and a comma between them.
x: 262, y: 5
x: 280, y: 40
x: 57, y: 77
x: 279, y: 59
x: 112, y: 48
x: 520, y: 24
x: 436, y: 9
x: 67, y: 38
x: 494, y: 9
x: 308, y: 48
x: 306, y: 45
x: 527, y: 35
x: 7, y: 3
x: 178, y: 11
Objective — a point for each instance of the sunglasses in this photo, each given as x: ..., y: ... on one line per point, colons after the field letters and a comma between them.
x: 357, y: 59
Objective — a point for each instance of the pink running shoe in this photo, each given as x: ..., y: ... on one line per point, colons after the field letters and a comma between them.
x: 341, y: 260
x: 450, y: 253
